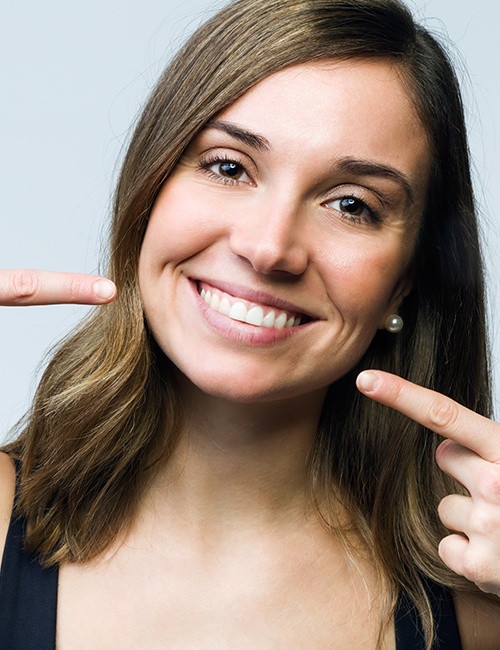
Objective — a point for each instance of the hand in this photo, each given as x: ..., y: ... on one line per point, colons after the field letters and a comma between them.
x: 471, y: 455
x: 47, y: 287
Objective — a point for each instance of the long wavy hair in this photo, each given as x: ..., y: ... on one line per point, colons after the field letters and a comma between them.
x: 97, y: 424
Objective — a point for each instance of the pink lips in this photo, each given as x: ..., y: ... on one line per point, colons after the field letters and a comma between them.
x: 246, y: 315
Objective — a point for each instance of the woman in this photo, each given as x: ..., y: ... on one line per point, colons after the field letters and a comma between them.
x: 199, y: 468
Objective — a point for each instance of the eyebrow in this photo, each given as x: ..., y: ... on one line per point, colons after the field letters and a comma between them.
x: 242, y: 135
x: 369, y: 168
x: 352, y: 166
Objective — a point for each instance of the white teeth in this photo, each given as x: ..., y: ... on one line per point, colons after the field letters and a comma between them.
x: 215, y: 302
x: 238, y: 312
x: 280, y: 322
x: 224, y: 307
x: 253, y: 315
x: 269, y: 319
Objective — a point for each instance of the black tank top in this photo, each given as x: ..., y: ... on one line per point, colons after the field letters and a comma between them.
x: 28, y: 604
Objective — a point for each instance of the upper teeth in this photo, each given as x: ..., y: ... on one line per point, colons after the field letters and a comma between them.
x: 254, y: 315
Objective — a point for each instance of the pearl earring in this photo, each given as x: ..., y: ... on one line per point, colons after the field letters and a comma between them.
x: 394, y: 323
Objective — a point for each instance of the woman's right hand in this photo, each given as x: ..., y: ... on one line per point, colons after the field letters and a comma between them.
x: 28, y: 287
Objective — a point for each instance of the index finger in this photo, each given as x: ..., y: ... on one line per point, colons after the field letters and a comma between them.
x: 28, y: 287
x: 434, y: 411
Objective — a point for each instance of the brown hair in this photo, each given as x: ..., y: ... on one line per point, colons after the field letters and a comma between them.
x: 98, y: 420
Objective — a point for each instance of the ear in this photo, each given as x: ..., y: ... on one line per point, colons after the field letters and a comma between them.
x: 401, y: 290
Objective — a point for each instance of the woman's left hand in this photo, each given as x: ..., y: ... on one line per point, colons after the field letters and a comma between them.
x: 471, y: 455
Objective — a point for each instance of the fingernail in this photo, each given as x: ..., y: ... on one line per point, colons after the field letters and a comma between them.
x: 104, y: 289
x: 368, y: 381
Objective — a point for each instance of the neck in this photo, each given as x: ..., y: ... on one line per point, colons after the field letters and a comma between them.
x: 239, y: 462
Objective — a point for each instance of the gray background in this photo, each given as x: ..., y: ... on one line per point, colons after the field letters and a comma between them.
x: 73, y: 76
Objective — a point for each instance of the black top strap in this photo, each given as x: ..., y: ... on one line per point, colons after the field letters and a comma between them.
x: 409, y: 633
x: 28, y: 595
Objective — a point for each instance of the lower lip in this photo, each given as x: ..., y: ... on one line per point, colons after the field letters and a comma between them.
x: 242, y: 332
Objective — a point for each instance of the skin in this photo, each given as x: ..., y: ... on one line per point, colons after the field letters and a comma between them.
x: 471, y: 455
x: 276, y: 232
x: 225, y: 536
x: 27, y: 287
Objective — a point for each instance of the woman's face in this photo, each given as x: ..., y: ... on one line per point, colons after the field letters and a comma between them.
x: 281, y: 241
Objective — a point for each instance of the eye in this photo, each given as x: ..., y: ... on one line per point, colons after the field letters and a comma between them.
x: 225, y: 170
x: 354, y: 209
x: 230, y: 169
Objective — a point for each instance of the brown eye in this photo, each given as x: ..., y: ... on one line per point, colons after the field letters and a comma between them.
x: 225, y: 170
x: 352, y: 206
x: 231, y: 169
x: 353, y: 209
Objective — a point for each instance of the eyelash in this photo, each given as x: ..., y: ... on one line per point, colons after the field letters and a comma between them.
x: 373, y: 215
x: 206, y: 163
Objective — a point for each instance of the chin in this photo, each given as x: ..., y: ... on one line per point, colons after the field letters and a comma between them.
x: 245, y: 387
x: 241, y: 389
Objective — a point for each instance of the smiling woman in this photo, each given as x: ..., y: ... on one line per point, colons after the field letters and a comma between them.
x: 309, y: 219
x: 290, y: 196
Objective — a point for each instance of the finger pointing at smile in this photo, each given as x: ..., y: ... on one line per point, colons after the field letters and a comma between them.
x: 434, y: 411
x: 471, y: 456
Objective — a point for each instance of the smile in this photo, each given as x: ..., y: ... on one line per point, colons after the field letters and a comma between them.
x: 241, y: 310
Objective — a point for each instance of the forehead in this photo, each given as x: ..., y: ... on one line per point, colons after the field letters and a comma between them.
x: 357, y: 108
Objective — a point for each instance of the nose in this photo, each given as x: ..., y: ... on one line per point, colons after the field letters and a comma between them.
x: 270, y: 236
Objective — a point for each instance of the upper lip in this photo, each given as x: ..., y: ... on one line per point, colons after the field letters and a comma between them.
x: 257, y: 296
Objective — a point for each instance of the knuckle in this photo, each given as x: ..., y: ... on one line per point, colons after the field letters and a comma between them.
x: 489, y: 484
x: 24, y: 284
x: 481, y: 522
x: 395, y: 391
x: 74, y: 289
x: 476, y: 568
x: 444, y: 413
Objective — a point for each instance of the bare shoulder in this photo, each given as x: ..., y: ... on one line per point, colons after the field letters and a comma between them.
x: 478, y: 622
x: 7, y: 488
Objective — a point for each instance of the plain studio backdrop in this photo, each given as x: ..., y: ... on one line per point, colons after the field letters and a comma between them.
x: 73, y: 78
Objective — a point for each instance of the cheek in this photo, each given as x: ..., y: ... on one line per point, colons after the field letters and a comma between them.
x: 363, y: 279
x: 179, y: 226
x: 172, y: 232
